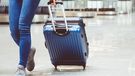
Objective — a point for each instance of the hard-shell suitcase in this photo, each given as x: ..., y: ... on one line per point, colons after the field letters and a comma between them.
x: 67, y: 45
x: 71, y: 21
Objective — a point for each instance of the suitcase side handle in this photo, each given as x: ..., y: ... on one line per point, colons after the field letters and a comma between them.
x: 52, y: 18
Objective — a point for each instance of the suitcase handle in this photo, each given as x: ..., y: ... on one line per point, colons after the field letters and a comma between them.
x: 58, y: 2
x: 54, y: 22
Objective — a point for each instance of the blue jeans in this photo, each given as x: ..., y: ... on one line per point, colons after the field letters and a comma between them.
x: 21, y: 13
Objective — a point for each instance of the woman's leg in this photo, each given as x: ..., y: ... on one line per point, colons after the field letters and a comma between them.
x: 14, y: 14
x: 25, y: 20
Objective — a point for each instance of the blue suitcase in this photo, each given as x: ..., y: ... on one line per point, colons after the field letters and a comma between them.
x: 66, y: 47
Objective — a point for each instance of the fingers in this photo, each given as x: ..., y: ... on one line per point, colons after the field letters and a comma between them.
x: 53, y: 2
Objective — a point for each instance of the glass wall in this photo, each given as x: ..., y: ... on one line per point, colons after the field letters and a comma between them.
x: 81, y: 3
x: 133, y: 5
x: 4, y: 2
x: 43, y: 2
x: 91, y: 3
x: 94, y: 4
x: 119, y: 5
x: 69, y: 4
x: 124, y: 6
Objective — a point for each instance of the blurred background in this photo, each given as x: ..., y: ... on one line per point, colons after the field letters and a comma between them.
x: 83, y: 8
x: 110, y: 29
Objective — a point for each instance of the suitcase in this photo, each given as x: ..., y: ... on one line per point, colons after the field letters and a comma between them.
x: 66, y: 40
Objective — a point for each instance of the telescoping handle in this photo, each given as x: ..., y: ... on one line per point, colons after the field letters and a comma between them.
x: 52, y: 18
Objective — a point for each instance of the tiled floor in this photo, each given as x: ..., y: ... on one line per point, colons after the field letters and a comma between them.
x: 112, y: 49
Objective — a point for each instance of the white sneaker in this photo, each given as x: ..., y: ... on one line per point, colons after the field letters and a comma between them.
x: 20, y: 71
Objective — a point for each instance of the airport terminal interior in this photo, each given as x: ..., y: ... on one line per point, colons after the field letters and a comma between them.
x: 110, y: 30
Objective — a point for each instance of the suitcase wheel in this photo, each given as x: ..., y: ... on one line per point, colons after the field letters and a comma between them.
x: 84, y: 66
x: 55, y: 67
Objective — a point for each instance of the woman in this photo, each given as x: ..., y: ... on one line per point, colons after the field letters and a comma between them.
x: 21, y: 13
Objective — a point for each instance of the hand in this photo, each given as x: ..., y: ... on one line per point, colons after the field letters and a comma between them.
x: 53, y: 2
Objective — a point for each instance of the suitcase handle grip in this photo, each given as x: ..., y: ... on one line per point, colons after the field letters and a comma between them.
x: 61, y: 31
x: 52, y: 18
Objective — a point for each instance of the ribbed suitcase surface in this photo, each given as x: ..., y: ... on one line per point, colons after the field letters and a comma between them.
x: 71, y: 49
